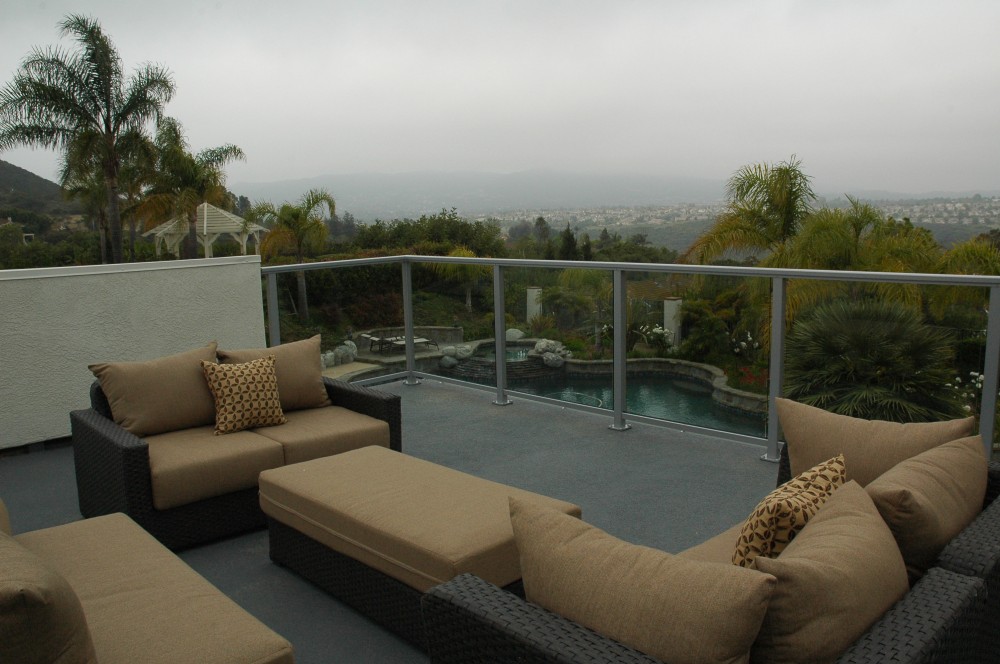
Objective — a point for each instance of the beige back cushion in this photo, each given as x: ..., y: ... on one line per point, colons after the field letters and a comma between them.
x: 928, y: 499
x: 41, y: 619
x: 870, y: 447
x: 156, y: 396
x: 836, y: 578
x: 298, y: 367
x: 675, y: 609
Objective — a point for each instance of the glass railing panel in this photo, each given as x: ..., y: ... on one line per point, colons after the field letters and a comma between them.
x: 558, y: 343
x: 694, y: 356
x: 453, y: 312
x: 900, y: 352
x: 357, y: 311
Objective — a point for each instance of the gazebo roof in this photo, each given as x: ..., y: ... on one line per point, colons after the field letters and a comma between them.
x: 211, y: 223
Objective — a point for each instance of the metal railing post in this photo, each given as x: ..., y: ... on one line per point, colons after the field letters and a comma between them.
x: 619, y: 365
x: 273, y: 318
x: 411, y: 361
x: 777, y: 366
x: 500, y: 336
x: 991, y: 368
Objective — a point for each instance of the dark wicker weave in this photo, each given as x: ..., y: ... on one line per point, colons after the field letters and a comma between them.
x: 112, y: 472
x: 468, y: 620
x: 387, y: 601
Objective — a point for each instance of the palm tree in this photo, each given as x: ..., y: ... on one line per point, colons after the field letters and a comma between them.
x: 58, y: 98
x: 766, y: 206
x: 299, y: 227
x: 857, y: 238
x: 468, y: 274
x: 872, y: 359
x: 184, y: 181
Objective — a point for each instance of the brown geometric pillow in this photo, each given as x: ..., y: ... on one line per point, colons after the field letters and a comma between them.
x: 246, y: 395
x: 784, y: 512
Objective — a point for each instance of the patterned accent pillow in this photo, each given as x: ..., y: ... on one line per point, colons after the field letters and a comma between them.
x: 246, y: 395
x: 784, y: 512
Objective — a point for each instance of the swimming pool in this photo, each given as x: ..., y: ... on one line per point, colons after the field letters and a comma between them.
x: 664, y: 397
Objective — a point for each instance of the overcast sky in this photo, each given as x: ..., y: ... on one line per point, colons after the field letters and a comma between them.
x: 901, y: 95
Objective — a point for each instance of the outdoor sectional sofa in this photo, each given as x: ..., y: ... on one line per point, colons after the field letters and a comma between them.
x: 103, y: 590
x: 148, y: 445
x: 899, y: 562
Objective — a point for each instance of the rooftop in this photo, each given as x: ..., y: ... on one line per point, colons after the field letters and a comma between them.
x: 663, y: 488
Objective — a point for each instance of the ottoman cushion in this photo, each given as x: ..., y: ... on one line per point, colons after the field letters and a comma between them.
x: 410, y: 519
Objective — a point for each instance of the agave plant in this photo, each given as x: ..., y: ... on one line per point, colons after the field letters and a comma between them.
x: 870, y: 358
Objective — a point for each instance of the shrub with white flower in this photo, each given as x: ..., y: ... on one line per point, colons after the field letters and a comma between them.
x: 745, y: 346
x: 970, y: 391
x: 656, y: 336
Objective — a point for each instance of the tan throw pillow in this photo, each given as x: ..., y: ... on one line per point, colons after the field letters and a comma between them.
x: 784, y: 512
x: 870, y: 447
x: 836, y: 578
x: 246, y: 395
x: 928, y: 499
x: 161, y: 395
x: 675, y: 609
x: 299, y: 369
x: 41, y: 619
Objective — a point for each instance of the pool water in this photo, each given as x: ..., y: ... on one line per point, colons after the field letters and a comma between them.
x: 653, y: 396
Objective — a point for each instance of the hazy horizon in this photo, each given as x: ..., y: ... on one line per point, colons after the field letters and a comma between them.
x: 895, y: 96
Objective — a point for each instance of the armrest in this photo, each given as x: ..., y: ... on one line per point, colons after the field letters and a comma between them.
x: 112, y: 466
x: 937, y: 621
x: 374, y: 403
x: 468, y: 619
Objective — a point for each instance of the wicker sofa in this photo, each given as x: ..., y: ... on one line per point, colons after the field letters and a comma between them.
x: 187, y: 486
x: 104, y: 590
x: 948, y: 614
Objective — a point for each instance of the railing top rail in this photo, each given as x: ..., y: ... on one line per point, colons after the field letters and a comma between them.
x: 918, y: 278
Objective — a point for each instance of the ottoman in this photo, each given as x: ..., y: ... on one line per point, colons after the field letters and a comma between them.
x: 377, y: 528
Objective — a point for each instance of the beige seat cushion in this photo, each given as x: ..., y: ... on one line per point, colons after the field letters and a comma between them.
x: 780, y: 516
x: 413, y: 520
x: 144, y: 604
x: 676, y: 609
x: 928, y: 499
x: 298, y: 367
x: 41, y: 619
x: 156, y: 396
x: 318, y: 432
x: 194, y: 464
x: 870, y: 447
x: 836, y: 578
x: 718, y: 549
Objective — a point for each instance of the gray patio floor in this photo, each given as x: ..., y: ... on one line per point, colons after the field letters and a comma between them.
x: 647, y: 485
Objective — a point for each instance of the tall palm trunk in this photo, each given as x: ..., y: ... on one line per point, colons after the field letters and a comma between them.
x: 303, y: 301
x: 114, y: 219
x: 191, y: 241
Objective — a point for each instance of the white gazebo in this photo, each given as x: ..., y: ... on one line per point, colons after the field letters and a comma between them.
x: 212, y: 222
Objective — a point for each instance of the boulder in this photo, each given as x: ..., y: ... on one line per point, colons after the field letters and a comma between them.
x: 514, y: 334
x: 448, y: 362
x: 463, y: 352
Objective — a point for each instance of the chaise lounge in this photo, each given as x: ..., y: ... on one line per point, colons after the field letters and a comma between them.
x: 147, y: 446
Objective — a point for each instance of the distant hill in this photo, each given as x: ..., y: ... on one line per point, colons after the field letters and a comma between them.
x: 24, y: 190
x: 387, y: 196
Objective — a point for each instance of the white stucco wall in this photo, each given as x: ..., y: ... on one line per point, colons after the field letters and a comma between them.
x: 56, y: 321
